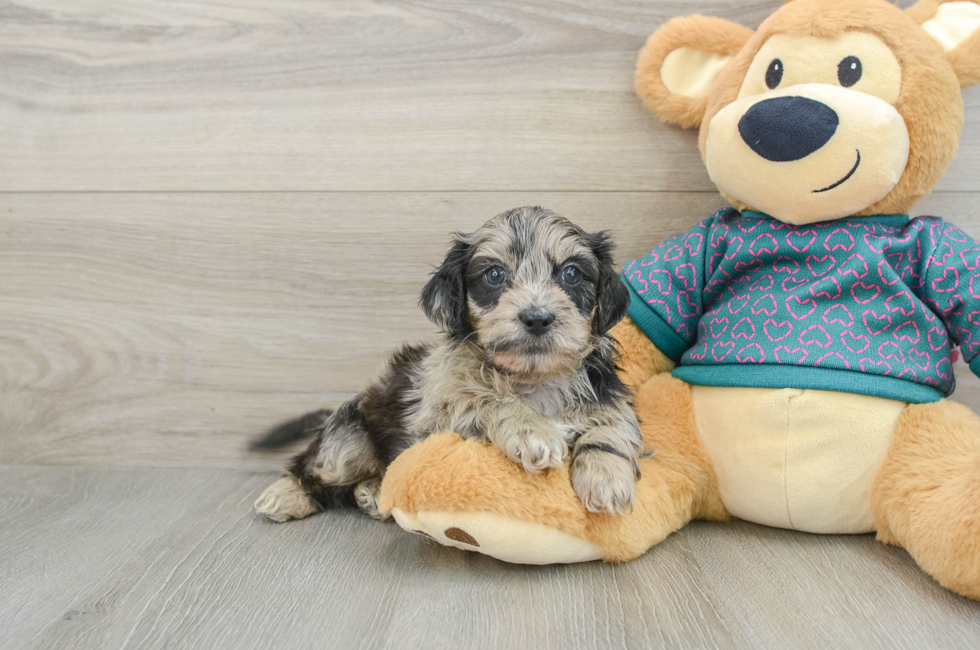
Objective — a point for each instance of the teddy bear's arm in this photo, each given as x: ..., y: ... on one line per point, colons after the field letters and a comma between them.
x: 667, y: 285
x: 948, y: 287
x: 639, y: 359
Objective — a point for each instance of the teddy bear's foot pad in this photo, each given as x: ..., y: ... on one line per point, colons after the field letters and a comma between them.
x: 504, y: 538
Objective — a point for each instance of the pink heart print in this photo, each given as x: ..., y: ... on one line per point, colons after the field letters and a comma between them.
x: 880, y: 295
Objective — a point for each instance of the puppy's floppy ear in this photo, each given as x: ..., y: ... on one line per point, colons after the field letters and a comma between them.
x: 612, y: 296
x: 955, y: 25
x: 679, y: 63
x: 444, y: 296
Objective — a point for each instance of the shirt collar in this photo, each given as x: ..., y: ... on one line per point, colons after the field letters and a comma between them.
x: 884, y: 219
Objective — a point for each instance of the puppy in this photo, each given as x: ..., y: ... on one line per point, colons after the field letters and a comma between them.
x: 525, y: 304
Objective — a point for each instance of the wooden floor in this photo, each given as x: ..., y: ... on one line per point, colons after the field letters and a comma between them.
x: 134, y: 558
x: 215, y: 214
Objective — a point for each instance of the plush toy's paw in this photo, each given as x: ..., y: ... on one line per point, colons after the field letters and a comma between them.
x: 505, y: 538
x: 534, y: 447
x: 468, y: 494
x: 604, y: 482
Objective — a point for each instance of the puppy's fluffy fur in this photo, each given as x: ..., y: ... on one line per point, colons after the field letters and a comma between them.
x: 525, y: 304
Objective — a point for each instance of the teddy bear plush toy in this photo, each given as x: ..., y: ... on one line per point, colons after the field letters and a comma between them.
x: 790, y: 356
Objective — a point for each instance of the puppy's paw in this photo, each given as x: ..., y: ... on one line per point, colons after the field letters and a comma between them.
x: 367, y: 493
x: 533, y: 447
x: 284, y: 500
x: 604, y: 482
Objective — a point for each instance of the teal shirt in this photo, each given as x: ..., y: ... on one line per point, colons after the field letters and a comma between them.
x: 869, y: 305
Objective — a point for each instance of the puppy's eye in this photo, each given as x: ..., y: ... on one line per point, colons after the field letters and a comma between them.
x: 571, y: 275
x: 774, y: 73
x: 849, y: 71
x: 495, y: 275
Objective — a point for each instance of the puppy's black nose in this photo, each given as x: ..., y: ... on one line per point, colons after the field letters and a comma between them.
x: 537, y: 322
x: 782, y: 129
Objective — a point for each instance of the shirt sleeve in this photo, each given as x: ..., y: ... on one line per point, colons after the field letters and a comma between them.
x: 666, y: 287
x: 951, y: 287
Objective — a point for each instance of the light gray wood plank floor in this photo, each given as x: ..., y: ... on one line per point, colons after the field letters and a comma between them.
x: 137, y: 558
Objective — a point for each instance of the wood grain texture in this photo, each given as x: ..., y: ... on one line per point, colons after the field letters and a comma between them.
x: 167, y: 330
x: 125, y: 558
x: 352, y: 95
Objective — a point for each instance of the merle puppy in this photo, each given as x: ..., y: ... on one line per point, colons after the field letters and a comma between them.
x: 525, y: 304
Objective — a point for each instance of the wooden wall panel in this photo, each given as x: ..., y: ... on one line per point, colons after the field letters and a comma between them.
x: 166, y: 329
x: 355, y: 95
x: 158, y: 329
x: 214, y: 215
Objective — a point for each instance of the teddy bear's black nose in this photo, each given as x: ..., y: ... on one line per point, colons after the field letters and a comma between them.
x: 781, y: 129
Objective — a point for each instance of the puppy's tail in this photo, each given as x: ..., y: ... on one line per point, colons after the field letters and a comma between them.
x: 305, y: 427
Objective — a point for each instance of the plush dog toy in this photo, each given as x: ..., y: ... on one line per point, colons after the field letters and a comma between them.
x: 790, y: 356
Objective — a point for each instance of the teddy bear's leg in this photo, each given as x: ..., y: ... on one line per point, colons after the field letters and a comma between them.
x: 926, y: 495
x: 468, y: 494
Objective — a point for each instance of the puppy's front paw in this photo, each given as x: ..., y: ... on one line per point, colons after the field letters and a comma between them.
x: 533, y: 447
x: 367, y: 494
x: 604, y: 482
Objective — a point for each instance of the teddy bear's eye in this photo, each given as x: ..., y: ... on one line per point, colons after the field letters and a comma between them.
x: 849, y: 71
x: 774, y: 73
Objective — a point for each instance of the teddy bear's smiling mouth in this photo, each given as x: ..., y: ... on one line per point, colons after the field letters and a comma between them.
x: 846, y: 176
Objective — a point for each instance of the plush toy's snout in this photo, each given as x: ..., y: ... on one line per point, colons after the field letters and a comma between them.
x: 831, y: 151
x: 782, y: 129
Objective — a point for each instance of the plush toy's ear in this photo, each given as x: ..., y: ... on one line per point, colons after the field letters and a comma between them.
x: 679, y: 63
x: 955, y: 25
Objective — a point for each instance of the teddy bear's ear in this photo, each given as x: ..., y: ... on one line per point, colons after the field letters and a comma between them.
x: 955, y: 25
x: 679, y: 63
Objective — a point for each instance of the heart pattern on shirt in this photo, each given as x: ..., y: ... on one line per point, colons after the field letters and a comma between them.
x: 882, y: 296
